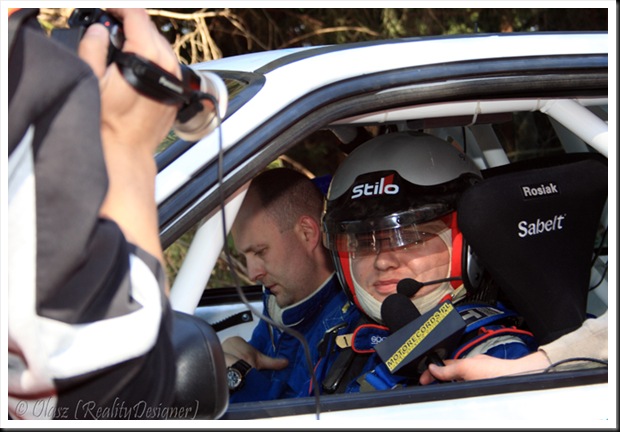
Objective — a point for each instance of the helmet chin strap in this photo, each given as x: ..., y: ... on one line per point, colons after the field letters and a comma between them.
x: 432, y: 299
x: 370, y: 305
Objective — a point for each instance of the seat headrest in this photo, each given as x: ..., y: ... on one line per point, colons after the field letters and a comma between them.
x: 533, y: 225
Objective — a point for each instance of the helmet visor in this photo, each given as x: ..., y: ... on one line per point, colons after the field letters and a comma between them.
x: 360, y: 244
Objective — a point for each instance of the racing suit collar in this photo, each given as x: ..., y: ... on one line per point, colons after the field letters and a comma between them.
x: 304, y: 310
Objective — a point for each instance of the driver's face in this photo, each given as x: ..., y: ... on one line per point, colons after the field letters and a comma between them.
x: 379, y: 272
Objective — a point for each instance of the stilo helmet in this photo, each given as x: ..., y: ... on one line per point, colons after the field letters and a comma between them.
x: 387, y: 186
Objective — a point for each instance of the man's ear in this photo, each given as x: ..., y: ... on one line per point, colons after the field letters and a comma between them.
x: 309, y: 231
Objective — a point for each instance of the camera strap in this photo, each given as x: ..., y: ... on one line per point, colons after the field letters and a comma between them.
x: 151, y: 80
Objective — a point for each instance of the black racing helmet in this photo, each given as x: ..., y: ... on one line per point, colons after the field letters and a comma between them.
x: 389, y: 185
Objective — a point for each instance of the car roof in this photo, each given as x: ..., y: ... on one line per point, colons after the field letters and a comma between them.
x: 391, y: 53
x: 250, y: 62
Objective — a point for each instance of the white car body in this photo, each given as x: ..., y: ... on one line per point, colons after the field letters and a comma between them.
x: 297, y: 85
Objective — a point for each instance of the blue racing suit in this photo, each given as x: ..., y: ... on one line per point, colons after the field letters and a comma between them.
x: 320, y: 318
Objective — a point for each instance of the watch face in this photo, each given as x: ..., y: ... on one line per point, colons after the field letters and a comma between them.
x: 234, y: 379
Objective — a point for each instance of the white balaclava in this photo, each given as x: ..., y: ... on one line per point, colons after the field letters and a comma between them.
x: 372, y: 306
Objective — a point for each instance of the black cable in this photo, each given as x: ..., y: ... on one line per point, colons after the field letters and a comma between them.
x: 600, y: 246
x: 245, y: 301
x: 600, y: 280
x: 597, y: 254
x: 574, y: 359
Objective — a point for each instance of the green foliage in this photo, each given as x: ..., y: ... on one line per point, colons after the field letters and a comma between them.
x: 175, y: 254
x: 169, y: 140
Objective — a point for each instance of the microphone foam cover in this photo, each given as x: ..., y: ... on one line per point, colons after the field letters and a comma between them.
x: 397, y: 311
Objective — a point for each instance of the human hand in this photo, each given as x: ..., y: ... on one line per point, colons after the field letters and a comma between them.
x: 483, y: 366
x: 132, y: 126
x: 129, y: 118
x: 236, y: 348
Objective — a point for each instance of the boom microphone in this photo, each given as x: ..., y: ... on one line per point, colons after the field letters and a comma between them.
x: 410, y: 287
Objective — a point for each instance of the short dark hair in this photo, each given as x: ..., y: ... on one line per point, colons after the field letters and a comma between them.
x: 286, y: 194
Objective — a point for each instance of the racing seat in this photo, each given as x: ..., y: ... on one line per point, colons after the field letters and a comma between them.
x: 532, y: 225
x: 201, y: 389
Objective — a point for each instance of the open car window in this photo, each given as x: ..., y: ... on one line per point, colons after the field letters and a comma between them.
x: 515, y: 111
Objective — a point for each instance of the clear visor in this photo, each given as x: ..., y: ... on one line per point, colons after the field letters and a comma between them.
x: 412, y: 236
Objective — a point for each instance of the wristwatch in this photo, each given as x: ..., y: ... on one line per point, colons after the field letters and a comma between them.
x: 236, y: 373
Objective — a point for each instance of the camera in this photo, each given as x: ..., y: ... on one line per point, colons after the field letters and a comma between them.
x: 194, y: 119
x: 82, y: 18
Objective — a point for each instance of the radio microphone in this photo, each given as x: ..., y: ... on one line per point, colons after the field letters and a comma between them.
x: 410, y: 287
x: 397, y: 311
x: 417, y: 339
